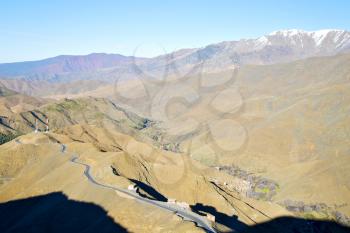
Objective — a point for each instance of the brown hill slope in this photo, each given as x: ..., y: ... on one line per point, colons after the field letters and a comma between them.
x: 92, y: 111
x: 34, y: 165
x: 276, y: 133
x: 287, y: 123
x: 12, y: 103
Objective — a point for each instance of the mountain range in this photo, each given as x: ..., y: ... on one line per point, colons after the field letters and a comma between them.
x: 276, y: 47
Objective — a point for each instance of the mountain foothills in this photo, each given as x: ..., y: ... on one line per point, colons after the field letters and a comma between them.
x: 249, y: 136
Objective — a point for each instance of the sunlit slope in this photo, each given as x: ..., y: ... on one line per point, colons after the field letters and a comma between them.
x: 12, y: 103
x: 36, y: 167
x: 295, y: 120
x: 41, y: 168
x: 94, y: 111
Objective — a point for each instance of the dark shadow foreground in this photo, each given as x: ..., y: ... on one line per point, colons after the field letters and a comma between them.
x: 297, y: 225
x: 55, y: 213
x: 277, y: 225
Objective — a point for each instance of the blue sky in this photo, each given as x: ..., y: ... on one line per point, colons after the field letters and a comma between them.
x: 31, y: 30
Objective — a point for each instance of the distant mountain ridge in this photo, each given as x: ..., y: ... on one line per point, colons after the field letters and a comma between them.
x: 276, y: 47
x: 65, y: 64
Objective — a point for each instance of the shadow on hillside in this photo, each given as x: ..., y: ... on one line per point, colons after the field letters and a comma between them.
x: 229, y: 221
x: 277, y: 225
x: 297, y: 225
x: 150, y: 190
x: 55, y: 213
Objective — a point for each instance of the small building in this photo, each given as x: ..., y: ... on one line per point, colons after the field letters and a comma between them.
x: 183, y: 205
x: 211, y: 217
x: 172, y: 200
x: 132, y: 187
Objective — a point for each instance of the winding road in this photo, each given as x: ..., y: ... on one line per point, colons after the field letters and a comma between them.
x: 186, y: 214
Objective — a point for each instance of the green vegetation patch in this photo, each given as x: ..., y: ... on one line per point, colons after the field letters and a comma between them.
x: 72, y: 105
x: 67, y: 105
x: 264, y: 190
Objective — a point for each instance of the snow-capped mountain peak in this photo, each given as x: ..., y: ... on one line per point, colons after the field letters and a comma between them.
x: 339, y: 37
x: 293, y: 32
x: 278, y: 46
x: 289, y: 32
